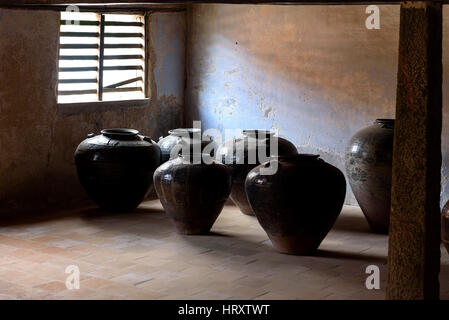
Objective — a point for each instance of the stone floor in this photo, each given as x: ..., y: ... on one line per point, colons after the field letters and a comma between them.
x: 139, y: 256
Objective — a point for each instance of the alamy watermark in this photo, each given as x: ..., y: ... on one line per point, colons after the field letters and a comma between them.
x: 373, y: 280
x: 72, y: 8
x: 373, y: 20
x: 260, y: 146
x: 73, y: 280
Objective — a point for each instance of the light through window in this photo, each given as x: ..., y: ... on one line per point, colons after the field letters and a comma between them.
x: 101, y: 57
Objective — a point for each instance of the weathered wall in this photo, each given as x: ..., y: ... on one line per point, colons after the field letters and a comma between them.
x: 37, y: 141
x: 313, y: 72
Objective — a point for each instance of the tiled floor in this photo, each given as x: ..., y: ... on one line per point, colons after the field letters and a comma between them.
x: 139, y: 256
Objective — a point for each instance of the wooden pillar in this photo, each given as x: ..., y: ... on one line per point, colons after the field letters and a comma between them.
x: 414, y: 241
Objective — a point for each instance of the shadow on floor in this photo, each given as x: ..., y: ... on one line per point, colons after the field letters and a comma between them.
x: 94, y: 213
x: 352, y: 222
x: 351, y: 256
x: 86, y: 212
x: 36, y: 217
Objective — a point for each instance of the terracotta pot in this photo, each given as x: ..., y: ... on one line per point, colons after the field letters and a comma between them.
x: 445, y: 226
x: 240, y: 163
x: 368, y: 165
x: 192, y: 192
x: 116, y: 168
x: 185, y: 139
x: 298, y: 205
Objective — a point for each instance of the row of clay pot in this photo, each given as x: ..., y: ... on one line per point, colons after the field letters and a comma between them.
x: 288, y: 204
x: 237, y: 162
x: 116, y: 168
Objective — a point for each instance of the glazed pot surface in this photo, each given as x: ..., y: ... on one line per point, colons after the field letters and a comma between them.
x: 299, y: 204
x: 116, y: 168
x: 243, y: 161
x: 368, y: 166
x: 192, y: 194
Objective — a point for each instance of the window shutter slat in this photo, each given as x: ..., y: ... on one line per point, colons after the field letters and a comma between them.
x: 122, y: 89
x: 123, y: 46
x: 123, y: 57
x: 124, y: 23
x: 79, y: 34
x: 110, y: 68
x: 80, y: 22
x: 123, y: 35
x: 116, y: 72
x: 79, y: 46
x: 122, y: 83
x: 78, y: 80
x: 80, y: 57
x: 76, y: 92
x: 77, y: 69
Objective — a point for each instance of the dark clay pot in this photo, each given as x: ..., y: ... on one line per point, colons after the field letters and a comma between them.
x: 192, y: 193
x: 368, y: 166
x: 240, y: 164
x: 185, y: 138
x: 298, y: 205
x: 116, y: 168
x: 445, y: 226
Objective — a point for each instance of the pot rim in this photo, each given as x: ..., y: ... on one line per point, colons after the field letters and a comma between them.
x: 119, y: 133
x: 183, y: 131
x: 385, y: 123
x: 258, y: 132
x: 299, y: 156
x: 193, y: 155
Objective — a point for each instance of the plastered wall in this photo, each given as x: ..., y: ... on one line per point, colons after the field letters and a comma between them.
x: 38, y: 139
x: 315, y: 73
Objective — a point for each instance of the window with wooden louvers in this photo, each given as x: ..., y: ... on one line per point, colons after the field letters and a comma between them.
x: 101, y: 57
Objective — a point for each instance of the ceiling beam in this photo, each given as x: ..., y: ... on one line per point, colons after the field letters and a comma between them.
x: 19, y: 3
x: 93, y: 5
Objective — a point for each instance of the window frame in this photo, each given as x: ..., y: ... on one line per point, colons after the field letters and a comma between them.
x: 100, y: 105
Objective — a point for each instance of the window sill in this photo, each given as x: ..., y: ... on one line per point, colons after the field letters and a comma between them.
x: 70, y: 109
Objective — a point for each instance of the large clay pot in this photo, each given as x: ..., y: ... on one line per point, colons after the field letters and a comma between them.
x: 192, y: 193
x: 445, y: 226
x: 116, y: 168
x: 368, y: 165
x: 182, y: 139
x: 298, y: 205
x: 240, y: 163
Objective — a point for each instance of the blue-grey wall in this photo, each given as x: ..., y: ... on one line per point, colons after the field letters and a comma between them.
x: 313, y: 72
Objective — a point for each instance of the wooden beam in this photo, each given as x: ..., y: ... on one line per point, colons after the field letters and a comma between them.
x: 414, y: 242
x: 94, y: 5
x: 157, y: 3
